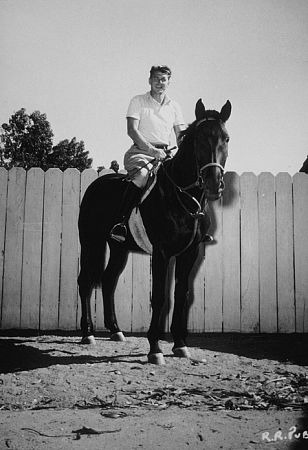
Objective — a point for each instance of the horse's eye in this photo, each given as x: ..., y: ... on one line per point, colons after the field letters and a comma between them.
x: 227, y: 139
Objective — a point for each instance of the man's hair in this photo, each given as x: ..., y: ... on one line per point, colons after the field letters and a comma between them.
x: 162, y: 69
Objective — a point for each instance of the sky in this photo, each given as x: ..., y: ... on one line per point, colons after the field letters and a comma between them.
x: 81, y: 61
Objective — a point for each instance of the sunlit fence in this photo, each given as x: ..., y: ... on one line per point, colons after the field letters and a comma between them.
x: 254, y: 278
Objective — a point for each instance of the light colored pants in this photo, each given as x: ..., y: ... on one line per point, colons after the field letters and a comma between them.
x: 138, y: 165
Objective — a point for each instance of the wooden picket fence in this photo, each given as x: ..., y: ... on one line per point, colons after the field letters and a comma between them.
x: 254, y: 278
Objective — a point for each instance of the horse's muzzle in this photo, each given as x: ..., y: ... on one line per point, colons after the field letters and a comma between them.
x: 212, y: 180
x: 214, y: 192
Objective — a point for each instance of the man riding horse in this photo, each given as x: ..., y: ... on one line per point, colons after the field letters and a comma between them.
x: 175, y: 214
x: 151, y: 117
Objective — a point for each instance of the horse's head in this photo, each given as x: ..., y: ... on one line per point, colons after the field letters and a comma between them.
x: 211, y: 147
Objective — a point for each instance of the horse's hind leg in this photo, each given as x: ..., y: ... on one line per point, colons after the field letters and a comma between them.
x: 116, y: 264
x: 85, y: 292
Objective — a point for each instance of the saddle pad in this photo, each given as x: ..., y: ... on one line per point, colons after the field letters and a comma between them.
x: 136, y: 224
x: 138, y: 231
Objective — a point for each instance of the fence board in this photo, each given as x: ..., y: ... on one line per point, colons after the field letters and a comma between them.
x: 3, y: 199
x: 231, y: 254
x: 13, y: 249
x: 249, y: 254
x: 31, y: 269
x: 52, y: 229
x: 300, y: 196
x: 197, y: 294
x: 141, y: 307
x: 285, y: 273
x: 213, y: 275
x: 267, y: 253
x: 69, y: 250
x: 123, y: 297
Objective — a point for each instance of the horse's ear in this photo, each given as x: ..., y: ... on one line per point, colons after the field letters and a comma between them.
x: 200, y: 110
x: 225, y: 111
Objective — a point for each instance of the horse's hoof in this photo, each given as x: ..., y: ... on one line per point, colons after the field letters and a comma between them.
x: 156, y: 358
x: 181, y: 352
x: 118, y: 337
x: 89, y: 340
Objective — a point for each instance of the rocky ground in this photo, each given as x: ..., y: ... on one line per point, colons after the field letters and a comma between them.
x: 236, y: 392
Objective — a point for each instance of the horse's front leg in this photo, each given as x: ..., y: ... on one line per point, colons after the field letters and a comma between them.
x: 184, y: 265
x: 159, y: 274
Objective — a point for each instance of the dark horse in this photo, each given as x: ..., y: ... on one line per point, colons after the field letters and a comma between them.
x: 175, y: 218
x: 304, y: 167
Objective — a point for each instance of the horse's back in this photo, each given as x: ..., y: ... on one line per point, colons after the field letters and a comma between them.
x: 100, y: 203
x: 102, y: 185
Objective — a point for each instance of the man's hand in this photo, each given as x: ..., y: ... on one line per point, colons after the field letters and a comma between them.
x: 159, y: 154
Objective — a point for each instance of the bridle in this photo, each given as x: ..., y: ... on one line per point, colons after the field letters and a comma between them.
x: 199, y: 182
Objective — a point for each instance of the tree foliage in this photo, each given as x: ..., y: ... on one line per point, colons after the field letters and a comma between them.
x: 114, y: 165
x: 27, y: 141
x: 70, y: 154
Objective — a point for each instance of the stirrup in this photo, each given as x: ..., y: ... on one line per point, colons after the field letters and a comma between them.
x: 119, y: 232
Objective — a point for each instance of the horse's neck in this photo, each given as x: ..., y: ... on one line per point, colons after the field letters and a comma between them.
x: 184, y: 165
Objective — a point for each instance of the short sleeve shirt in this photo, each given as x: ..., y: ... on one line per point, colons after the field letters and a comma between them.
x: 156, y: 121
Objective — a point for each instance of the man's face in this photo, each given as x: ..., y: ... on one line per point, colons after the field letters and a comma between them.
x: 159, y: 82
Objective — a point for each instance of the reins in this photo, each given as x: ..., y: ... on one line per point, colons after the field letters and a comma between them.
x: 195, y: 215
x: 199, y: 181
x: 199, y: 213
x: 154, y: 162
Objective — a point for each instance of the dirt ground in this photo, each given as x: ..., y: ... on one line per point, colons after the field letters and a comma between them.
x: 236, y: 392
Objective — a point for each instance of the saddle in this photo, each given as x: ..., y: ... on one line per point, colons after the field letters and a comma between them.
x: 135, y: 222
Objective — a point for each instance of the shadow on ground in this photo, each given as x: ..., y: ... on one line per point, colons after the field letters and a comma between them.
x: 290, y: 348
x: 17, y: 354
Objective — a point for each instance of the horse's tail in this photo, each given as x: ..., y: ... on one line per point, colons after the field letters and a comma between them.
x: 97, y: 214
x: 92, y: 263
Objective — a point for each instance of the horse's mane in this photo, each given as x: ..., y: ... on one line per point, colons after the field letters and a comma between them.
x: 209, y: 114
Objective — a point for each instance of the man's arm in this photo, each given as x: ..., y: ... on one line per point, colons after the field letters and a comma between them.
x: 140, y: 141
x: 177, y: 130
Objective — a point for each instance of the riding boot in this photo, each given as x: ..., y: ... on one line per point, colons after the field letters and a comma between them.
x: 130, y: 200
